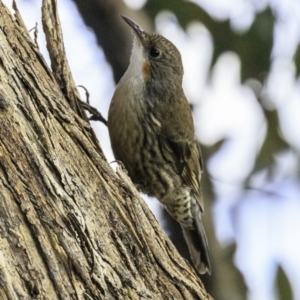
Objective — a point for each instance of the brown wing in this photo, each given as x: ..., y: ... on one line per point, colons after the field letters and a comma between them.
x: 178, y: 144
x: 187, y: 161
x: 176, y: 153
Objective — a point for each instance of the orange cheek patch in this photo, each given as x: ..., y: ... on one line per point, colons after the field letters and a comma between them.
x: 146, y: 70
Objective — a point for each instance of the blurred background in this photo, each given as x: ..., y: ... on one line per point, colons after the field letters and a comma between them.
x: 241, y: 61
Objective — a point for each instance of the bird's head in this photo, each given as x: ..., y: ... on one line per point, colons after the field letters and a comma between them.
x: 155, y: 58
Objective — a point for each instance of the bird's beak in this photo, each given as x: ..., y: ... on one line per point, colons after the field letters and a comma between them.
x: 138, y: 30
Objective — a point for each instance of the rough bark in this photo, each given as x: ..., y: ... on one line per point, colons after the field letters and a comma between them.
x: 70, y: 227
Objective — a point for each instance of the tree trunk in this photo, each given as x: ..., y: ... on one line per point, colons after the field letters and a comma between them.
x: 71, y: 228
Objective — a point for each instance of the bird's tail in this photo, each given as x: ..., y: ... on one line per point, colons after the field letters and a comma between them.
x: 198, y: 245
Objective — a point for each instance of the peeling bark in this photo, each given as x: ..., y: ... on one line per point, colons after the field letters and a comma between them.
x: 70, y: 227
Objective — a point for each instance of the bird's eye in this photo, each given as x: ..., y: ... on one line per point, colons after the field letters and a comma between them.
x: 154, y: 52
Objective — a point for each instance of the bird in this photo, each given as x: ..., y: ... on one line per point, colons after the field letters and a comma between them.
x: 152, y: 133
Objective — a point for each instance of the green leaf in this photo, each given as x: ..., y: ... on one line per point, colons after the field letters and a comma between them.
x: 283, y: 285
x: 273, y: 144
